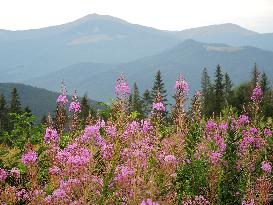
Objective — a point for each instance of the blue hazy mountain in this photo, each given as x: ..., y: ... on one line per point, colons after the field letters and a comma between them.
x: 93, y: 38
x: 230, y: 34
x: 39, y: 100
x: 91, y: 52
x: 188, y: 58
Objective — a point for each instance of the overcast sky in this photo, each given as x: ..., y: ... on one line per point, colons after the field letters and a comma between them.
x: 163, y: 14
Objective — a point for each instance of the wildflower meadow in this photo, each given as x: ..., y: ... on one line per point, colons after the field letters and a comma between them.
x: 174, y: 155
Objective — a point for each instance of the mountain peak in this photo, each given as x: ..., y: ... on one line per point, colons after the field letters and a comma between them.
x: 220, y: 28
x: 95, y: 16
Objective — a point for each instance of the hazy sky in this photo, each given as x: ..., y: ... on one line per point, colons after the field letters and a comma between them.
x: 163, y: 14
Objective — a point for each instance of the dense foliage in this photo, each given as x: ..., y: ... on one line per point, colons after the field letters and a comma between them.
x: 121, y: 155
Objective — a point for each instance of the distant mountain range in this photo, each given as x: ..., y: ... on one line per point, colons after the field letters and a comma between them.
x: 188, y: 58
x: 230, y: 34
x: 94, y: 38
x: 91, y: 52
x: 39, y: 100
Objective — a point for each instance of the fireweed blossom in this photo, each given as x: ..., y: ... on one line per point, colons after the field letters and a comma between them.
x: 159, y: 106
x: 266, y: 167
x: 122, y: 88
x: 51, y: 135
x: 181, y: 85
x: 29, y: 157
x: 62, y: 99
x: 149, y: 202
x: 3, y: 175
x: 215, y: 157
x: 267, y: 132
x: 211, y: 126
x: 257, y: 94
x: 134, y: 153
x: 15, y: 172
x: 75, y: 106
x: 248, y: 203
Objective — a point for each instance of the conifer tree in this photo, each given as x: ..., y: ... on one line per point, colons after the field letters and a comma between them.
x: 147, y: 102
x: 206, y: 92
x: 227, y: 89
x: 264, y: 83
x: 85, y: 108
x: 255, y: 76
x: 3, y: 114
x: 15, y: 105
x: 136, y: 101
x: 218, y: 90
x: 159, y: 86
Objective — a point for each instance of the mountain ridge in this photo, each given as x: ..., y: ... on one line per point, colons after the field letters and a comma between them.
x: 99, y: 79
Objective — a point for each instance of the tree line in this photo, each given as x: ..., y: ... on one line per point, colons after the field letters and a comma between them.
x: 218, y: 93
x: 221, y: 93
x: 8, y: 107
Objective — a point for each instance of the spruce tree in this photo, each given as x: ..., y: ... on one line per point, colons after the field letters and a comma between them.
x: 264, y: 83
x: 3, y: 114
x: 85, y: 108
x: 159, y: 86
x: 206, y: 92
x: 15, y: 105
x: 137, y: 103
x: 218, y: 90
x: 255, y: 76
x: 227, y: 89
x: 147, y: 102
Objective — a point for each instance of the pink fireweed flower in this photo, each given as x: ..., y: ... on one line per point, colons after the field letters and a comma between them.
x: 29, y: 157
x: 267, y: 132
x: 123, y: 173
x: 223, y: 126
x: 62, y: 99
x: 15, y: 172
x: 51, y: 135
x: 159, y: 106
x: 107, y: 151
x: 149, y: 202
x: 170, y: 159
x: 243, y: 120
x: 211, y: 125
x: 266, y: 166
x: 131, y: 128
x: 248, y: 203
x: 22, y: 194
x: 3, y: 175
x: 146, y: 126
x: 122, y: 88
x: 220, y: 142
x: 215, y: 157
x: 197, y: 200
x: 181, y: 85
x: 59, y: 195
x: 257, y: 94
x: 100, y: 123
x: 74, y: 156
x: 74, y: 107
x: 54, y: 170
x: 111, y: 130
